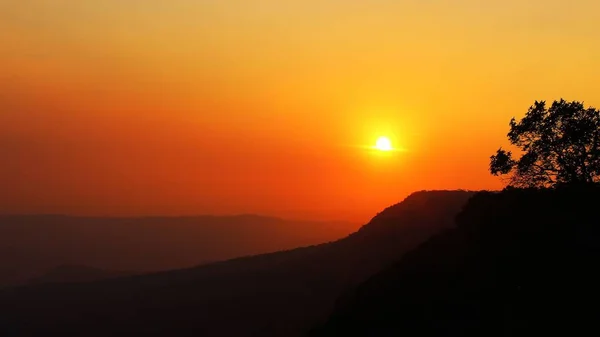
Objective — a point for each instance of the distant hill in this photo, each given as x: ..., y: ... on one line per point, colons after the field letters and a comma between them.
x: 32, y: 245
x: 74, y: 273
x: 520, y: 263
x: 279, y: 294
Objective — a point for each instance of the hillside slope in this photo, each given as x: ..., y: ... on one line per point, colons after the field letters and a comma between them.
x: 280, y: 294
x: 519, y: 263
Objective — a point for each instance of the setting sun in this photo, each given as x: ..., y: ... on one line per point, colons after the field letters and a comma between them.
x: 383, y: 144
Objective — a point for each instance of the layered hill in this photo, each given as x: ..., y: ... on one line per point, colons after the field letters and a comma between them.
x: 519, y: 263
x: 31, y: 246
x: 75, y: 273
x: 279, y: 294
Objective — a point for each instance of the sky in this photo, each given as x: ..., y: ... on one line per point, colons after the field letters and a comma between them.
x: 147, y: 107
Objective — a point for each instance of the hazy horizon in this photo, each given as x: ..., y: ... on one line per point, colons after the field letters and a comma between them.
x: 191, y: 215
x: 131, y: 108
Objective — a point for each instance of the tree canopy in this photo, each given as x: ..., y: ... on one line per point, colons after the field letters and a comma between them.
x: 559, y: 144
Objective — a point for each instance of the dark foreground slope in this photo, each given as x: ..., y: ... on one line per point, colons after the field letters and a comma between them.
x: 520, y: 263
x: 280, y: 294
x: 31, y: 246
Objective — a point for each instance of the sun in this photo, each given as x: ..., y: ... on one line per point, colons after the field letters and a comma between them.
x: 384, y: 144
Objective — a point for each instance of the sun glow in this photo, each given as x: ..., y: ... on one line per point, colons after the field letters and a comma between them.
x: 383, y: 144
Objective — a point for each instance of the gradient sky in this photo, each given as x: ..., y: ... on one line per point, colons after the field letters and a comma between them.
x: 129, y: 107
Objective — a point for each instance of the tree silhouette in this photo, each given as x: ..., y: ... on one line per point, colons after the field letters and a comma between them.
x: 558, y: 145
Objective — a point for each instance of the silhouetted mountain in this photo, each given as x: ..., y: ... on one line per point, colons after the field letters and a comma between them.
x: 31, y: 245
x: 519, y: 263
x: 279, y: 294
x: 74, y: 273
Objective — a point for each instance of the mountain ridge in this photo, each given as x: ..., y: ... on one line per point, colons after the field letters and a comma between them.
x: 276, y: 294
x: 519, y: 263
x: 33, y: 244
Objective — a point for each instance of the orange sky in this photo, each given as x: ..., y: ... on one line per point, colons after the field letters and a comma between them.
x: 128, y: 107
